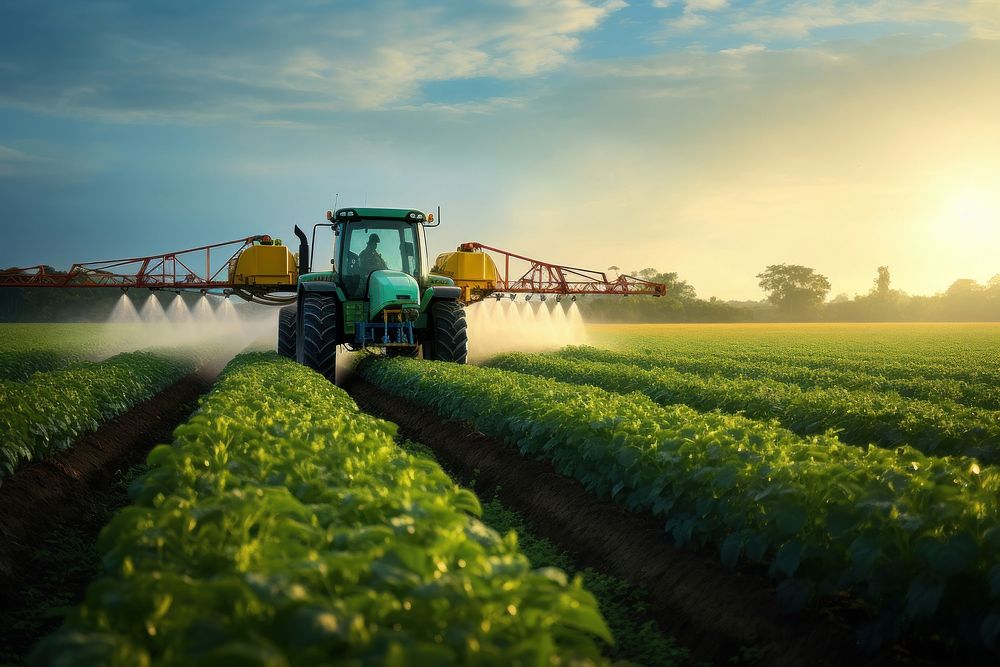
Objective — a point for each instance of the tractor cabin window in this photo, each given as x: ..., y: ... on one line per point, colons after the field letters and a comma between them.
x: 375, y: 245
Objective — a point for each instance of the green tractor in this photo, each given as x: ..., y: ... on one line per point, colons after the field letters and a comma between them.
x: 378, y: 294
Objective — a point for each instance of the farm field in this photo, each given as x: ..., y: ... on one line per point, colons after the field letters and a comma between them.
x: 309, y: 529
x: 892, y: 499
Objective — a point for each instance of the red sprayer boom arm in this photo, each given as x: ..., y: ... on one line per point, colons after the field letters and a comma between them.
x: 545, y: 278
x: 183, y: 269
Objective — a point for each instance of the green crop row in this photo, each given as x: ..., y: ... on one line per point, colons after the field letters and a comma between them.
x: 965, y: 366
x: 859, y: 417
x: 285, y: 527
x: 54, y: 408
x: 22, y: 364
x: 934, y: 390
x: 31, y: 348
x: 916, y: 535
x: 966, y: 353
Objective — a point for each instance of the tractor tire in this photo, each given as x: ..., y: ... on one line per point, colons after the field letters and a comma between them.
x: 450, y: 333
x: 317, y: 334
x: 286, y: 331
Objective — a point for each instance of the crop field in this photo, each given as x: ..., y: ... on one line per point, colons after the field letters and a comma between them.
x: 846, y: 475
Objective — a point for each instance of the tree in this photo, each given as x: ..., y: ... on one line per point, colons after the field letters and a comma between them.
x: 793, y: 288
x: 963, y: 288
x: 882, y: 281
x: 646, y: 274
x: 676, y: 288
x: 841, y: 298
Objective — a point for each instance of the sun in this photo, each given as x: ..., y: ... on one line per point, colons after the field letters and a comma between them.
x: 971, y: 216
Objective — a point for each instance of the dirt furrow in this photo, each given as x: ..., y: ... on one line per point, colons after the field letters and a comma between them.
x: 714, y: 610
x: 52, y: 510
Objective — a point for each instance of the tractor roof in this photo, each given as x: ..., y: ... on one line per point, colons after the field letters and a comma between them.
x: 353, y: 214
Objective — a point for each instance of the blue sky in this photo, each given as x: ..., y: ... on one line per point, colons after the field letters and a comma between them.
x: 702, y: 136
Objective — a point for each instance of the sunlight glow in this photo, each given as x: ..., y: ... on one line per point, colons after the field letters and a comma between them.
x: 971, y: 217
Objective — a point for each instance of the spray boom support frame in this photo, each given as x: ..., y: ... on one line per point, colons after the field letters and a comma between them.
x: 545, y: 278
x: 170, y: 270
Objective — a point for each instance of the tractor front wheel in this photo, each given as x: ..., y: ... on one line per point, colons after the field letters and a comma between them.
x: 316, y: 342
x: 286, y: 331
x: 450, y: 333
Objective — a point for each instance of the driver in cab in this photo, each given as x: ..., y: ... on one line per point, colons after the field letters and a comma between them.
x: 370, y: 260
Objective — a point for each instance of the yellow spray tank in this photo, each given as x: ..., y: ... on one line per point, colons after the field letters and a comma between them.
x: 267, y: 262
x: 474, y: 272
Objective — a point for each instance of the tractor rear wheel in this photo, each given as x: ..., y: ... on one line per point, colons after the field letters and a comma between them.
x: 316, y: 343
x: 286, y: 331
x: 450, y: 333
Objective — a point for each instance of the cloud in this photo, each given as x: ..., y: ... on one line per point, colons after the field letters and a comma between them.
x: 705, y: 5
x: 744, y: 50
x: 14, y: 162
x: 770, y: 20
x: 189, y: 61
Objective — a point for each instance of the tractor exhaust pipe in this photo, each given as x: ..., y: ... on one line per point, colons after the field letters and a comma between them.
x: 303, y: 251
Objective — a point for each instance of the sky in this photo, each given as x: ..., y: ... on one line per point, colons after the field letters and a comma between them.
x: 707, y: 137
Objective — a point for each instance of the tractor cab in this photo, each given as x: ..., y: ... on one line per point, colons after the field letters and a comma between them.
x: 370, y: 240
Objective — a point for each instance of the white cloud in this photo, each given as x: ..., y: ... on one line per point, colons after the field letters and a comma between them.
x: 693, y: 15
x: 744, y: 50
x: 800, y: 18
x: 705, y: 5
x: 17, y: 163
x: 275, y: 58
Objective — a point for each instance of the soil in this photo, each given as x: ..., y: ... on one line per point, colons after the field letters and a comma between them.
x: 52, y: 510
x: 715, y: 611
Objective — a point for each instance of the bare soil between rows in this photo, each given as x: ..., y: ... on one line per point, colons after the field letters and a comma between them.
x: 73, y: 494
x: 713, y: 610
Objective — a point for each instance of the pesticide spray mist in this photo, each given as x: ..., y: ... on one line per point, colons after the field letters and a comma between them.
x: 216, y: 329
x: 211, y: 327
x: 503, y: 325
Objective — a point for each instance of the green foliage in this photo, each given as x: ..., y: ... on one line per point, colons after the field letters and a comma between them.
x: 860, y: 417
x: 825, y: 516
x: 818, y: 372
x: 794, y: 288
x: 30, y: 348
x: 285, y: 527
x: 51, y: 410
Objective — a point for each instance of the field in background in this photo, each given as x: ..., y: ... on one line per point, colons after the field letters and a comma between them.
x: 915, y: 339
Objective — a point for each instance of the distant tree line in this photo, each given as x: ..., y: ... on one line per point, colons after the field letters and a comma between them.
x: 33, y: 304
x: 795, y: 293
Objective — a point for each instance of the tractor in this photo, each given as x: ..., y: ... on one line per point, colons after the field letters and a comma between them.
x: 378, y: 294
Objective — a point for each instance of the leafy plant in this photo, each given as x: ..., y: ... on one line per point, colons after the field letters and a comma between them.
x: 50, y: 411
x: 285, y: 527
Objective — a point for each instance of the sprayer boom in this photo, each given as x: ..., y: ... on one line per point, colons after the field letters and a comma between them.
x: 261, y: 269
x: 257, y: 263
x: 476, y: 272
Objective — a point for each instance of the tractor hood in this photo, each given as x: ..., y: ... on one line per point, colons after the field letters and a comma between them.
x: 391, y: 289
